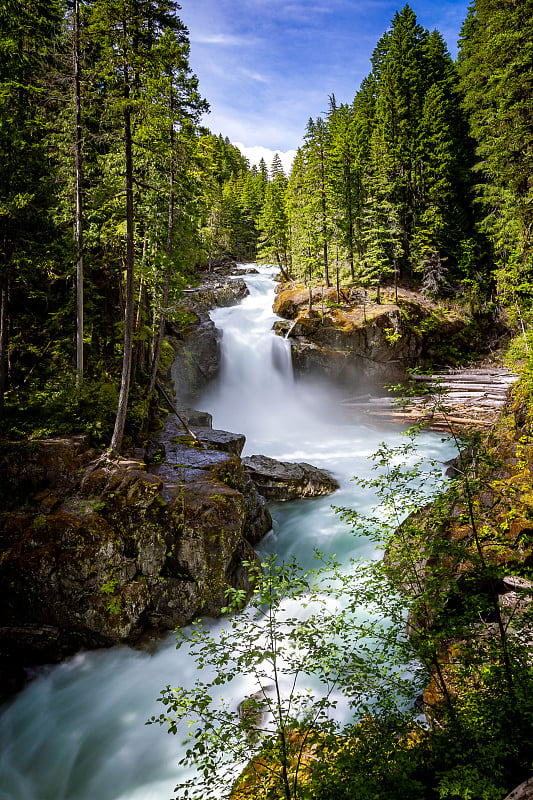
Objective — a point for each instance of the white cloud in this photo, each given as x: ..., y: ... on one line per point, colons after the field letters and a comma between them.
x: 224, y: 39
x: 256, y: 153
x: 254, y: 76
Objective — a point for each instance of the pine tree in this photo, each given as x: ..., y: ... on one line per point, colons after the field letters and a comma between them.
x: 128, y: 32
x: 276, y: 168
x: 168, y: 135
x: 316, y: 178
x: 302, y: 238
x: 400, y: 96
x: 273, y: 221
x: 27, y: 33
x: 346, y: 178
x: 497, y: 79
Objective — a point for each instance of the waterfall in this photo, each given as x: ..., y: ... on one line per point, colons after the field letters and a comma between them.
x: 77, y: 731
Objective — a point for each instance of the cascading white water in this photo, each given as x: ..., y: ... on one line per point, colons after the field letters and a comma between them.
x: 77, y: 731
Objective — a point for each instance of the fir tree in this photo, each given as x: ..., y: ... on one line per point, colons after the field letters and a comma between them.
x: 497, y: 79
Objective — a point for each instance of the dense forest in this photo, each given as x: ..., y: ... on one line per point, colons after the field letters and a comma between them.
x: 115, y: 201
x: 113, y: 195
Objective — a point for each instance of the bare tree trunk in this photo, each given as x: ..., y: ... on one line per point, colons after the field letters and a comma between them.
x: 309, y: 287
x: 164, y: 301
x: 3, y: 339
x: 284, y: 273
x: 170, y: 246
x: 79, y: 197
x: 337, y: 265
x: 324, y: 215
x: 120, y: 421
x: 349, y: 204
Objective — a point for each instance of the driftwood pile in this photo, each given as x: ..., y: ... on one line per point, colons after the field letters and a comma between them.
x: 463, y: 398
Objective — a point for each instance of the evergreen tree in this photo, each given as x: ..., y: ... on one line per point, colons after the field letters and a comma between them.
x: 497, y: 79
x: 401, y: 88
x: 315, y: 176
x: 303, y: 251
x: 128, y: 32
x: 345, y: 178
x: 273, y: 221
x: 27, y: 32
x: 276, y: 168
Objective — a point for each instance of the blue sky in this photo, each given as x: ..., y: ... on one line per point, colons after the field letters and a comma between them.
x: 266, y: 66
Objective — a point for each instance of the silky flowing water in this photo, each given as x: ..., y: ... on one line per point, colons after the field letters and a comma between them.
x: 77, y: 731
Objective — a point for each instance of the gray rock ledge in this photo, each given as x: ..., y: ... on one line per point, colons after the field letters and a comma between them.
x: 280, y: 480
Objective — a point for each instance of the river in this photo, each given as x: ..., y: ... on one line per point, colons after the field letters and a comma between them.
x: 77, y: 732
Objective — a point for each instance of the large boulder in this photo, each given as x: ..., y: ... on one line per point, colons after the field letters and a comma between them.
x: 213, y: 453
x: 357, y: 342
x: 281, y: 480
x: 522, y: 792
x: 197, y: 358
x: 96, y: 551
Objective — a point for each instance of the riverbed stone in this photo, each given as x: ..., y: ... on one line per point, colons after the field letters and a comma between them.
x: 215, y: 439
x: 281, y: 480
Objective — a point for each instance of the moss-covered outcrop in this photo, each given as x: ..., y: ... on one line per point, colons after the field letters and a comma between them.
x: 96, y: 551
x: 355, y: 341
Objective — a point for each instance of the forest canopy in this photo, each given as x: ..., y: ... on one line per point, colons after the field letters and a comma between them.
x: 113, y: 195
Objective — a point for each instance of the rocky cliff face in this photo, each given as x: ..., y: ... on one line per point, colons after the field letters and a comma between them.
x: 94, y: 552
x: 196, y: 344
x: 359, y: 343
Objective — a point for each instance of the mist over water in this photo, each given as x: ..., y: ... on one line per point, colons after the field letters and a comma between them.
x: 77, y: 731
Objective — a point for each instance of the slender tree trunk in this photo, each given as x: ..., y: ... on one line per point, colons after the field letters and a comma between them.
x: 349, y: 207
x: 170, y: 246
x: 309, y: 287
x: 324, y: 219
x: 79, y: 197
x: 120, y: 421
x: 337, y: 267
x: 3, y: 339
x: 284, y: 273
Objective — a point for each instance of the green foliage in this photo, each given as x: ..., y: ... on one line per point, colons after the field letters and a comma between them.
x: 277, y: 651
x: 135, y: 66
x: 61, y: 408
x: 109, y: 586
x: 496, y: 71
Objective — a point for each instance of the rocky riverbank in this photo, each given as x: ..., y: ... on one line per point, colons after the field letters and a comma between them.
x: 98, y: 551
x: 465, y: 562
x: 364, y: 345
